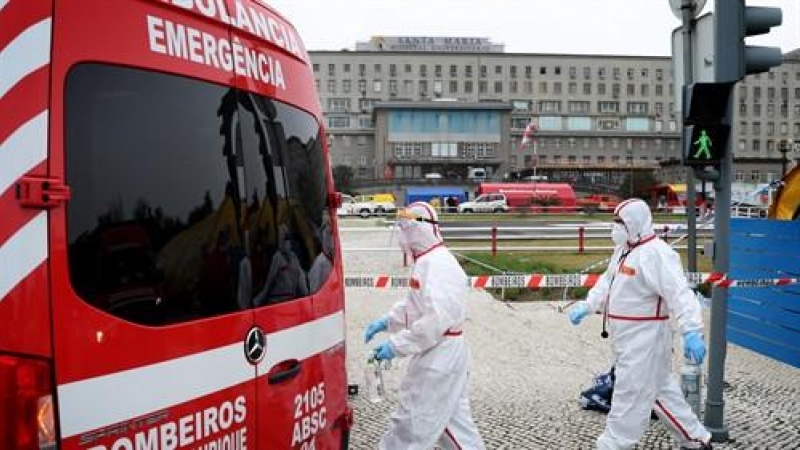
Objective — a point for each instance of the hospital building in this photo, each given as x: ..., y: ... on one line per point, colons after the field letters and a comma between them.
x: 406, y: 107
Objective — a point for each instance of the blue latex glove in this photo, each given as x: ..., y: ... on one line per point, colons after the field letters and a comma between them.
x: 384, y: 351
x: 577, y: 313
x: 694, y: 349
x: 375, y: 327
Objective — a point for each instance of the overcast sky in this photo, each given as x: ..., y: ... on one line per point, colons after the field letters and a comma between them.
x: 623, y: 27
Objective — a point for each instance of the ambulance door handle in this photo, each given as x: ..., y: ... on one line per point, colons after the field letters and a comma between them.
x: 283, y: 371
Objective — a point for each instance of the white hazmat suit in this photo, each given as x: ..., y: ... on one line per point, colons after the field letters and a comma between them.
x: 642, y: 287
x: 433, y: 405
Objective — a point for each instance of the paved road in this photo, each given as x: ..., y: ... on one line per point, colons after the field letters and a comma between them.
x: 529, y: 364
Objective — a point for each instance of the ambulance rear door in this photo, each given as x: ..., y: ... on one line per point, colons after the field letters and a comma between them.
x: 297, y: 287
x: 153, y: 339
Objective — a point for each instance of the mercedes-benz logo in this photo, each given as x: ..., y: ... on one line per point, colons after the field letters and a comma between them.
x: 255, y: 345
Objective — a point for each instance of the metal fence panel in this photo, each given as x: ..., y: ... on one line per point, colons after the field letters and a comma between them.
x: 765, y: 320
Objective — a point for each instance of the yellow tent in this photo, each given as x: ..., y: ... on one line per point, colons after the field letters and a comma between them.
x: 786, y: 205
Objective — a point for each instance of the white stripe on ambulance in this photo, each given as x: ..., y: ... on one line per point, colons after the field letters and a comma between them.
x: 29, y: 51
x: 23, y: 150
x: 23, y: 253
x: 90, y: 404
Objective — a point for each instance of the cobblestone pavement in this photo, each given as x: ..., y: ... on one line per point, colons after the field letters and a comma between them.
x: 529, y: 365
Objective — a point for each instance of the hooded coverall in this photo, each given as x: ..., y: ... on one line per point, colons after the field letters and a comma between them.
x: 433, y: 407
x: 643, y: 285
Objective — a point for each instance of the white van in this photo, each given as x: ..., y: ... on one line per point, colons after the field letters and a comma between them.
x: 476, y: 173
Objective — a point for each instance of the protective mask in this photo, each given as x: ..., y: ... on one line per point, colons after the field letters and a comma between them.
x: 400, y: 234
x: 619, y: 234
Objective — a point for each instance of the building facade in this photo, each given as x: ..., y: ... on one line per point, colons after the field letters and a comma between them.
x: 407, y: 107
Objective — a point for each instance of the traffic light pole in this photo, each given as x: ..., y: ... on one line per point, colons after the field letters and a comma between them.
x: 726, y: 69
x: 733, y: 60
x: 687, y: 17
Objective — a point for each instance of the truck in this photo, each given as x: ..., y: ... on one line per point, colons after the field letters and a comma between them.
x: 477, y: 173
x: 365, y: 206
x: 549, y: 197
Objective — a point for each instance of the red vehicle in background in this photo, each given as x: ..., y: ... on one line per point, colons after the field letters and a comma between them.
x: 171, y: 269
x: 598, y: 202
x: 671, y: 198
x: 541, y: 197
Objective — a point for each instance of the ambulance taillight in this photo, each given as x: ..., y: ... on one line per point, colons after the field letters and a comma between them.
x: 27, y: 419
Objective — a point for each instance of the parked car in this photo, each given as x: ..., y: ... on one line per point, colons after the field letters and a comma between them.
x: 485, y: 203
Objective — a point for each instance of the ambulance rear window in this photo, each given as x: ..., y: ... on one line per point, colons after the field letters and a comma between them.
x: 190, y: 199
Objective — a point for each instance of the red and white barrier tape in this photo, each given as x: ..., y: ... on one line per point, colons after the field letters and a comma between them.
x: 539, y: 280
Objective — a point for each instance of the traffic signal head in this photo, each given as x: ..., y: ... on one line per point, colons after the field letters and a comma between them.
x: 706, y: 125
x: 733, y: 23
x: 705, y: 144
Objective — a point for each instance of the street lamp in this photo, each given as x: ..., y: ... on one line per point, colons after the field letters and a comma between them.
x: 784, y: 148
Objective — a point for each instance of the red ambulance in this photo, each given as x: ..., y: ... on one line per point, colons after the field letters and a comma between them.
x: 170, y: 275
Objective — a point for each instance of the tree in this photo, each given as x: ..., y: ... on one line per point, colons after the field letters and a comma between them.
x: 636, y: 184
x: 342, y: 176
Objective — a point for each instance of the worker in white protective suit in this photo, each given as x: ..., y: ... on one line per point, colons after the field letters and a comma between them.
x: 643, y: 286
x: 433, y: 407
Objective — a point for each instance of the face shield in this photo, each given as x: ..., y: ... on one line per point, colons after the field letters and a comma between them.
x: 416, y: 229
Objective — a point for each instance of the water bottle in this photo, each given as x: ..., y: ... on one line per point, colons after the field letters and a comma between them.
x: 691, y: 378
x: 373, y: 378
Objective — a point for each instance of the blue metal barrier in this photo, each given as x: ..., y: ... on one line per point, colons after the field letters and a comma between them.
x: 765, y: 319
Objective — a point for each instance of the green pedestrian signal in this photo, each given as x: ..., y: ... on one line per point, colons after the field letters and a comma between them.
x: 705, y: 144
x: 706, y: 130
